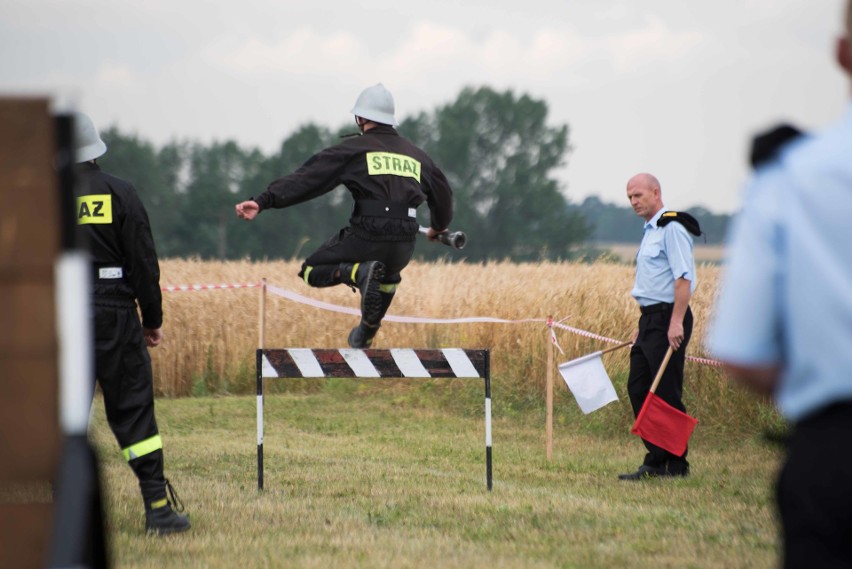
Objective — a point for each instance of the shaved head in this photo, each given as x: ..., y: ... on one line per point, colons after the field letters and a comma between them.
x: 648, y: 180
x: 645, y: 195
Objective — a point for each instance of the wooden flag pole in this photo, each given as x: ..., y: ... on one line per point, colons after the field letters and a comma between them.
x: 549, y: 391
x: 618, y: 347
x: 662, y: 369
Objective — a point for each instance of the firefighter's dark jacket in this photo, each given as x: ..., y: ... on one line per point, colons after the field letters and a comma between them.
x: 379, y: 165
x: 119, y: 235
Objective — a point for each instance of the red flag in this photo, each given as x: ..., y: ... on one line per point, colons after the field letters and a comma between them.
x: 663, y: 425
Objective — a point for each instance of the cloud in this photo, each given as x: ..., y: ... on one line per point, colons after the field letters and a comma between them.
x: 112, y: 75
x: 431, y: 50
x: 651, y: 44
x: 303, y: 51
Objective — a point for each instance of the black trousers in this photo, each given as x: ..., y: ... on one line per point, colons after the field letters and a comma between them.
x: 347, y: 247
x: 814, y: 491
x: 646, y: 356
x: 123, y: 370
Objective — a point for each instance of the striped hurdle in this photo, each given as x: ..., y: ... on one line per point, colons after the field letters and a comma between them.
x: 393, y: 363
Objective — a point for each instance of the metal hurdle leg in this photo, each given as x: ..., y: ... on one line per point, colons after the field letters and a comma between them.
x: 259, y: 420
x: 487, y: 374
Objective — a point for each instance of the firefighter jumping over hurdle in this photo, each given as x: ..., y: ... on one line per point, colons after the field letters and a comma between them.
x: 388, y: 178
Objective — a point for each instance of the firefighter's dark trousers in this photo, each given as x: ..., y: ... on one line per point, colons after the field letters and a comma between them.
x: 123, y: 370
x: 321, y: 268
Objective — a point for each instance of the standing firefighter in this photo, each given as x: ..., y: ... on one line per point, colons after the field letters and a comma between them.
x: 125, y: 271
x: 388, y: 178
x: 664, y: 283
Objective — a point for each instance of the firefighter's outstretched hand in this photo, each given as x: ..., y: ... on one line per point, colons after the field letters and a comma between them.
x: 247, y: 210
x: 153, y: 336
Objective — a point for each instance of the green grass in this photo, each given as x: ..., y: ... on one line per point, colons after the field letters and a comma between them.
x: 392, y: 474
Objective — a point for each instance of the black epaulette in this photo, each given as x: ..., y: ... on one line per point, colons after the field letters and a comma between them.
x: 766, y: 146
x: 688, y: 222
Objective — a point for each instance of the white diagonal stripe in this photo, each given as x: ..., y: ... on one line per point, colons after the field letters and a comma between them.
x: 488, y: 421
x: 408, y: 363
x: 268, y: 370
x: 461, y: 364
x: 306, y: 361
x: 260, y: 420
x: 359, y: 362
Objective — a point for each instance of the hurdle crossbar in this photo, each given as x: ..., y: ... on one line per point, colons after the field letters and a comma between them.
x: 392, y: 363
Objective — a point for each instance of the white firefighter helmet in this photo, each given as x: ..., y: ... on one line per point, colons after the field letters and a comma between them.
x: 376, y: 104
x: 87, y: 142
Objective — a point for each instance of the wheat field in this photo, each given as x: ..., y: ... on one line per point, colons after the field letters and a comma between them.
x: 211, y: 335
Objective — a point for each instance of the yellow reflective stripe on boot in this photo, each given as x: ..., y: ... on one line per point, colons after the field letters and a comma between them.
x: 388, y: 288
x: 142, y: 448
x: 354, y: 270
x: 159, y: 503
x: 307, y: 272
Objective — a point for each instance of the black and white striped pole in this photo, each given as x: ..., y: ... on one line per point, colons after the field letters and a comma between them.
x: 487, y: 376
x: 259, y: 420
x: 259, y: 367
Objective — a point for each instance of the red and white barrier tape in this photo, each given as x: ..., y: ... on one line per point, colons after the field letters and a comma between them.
x: 704, y: 361
x: 295, y: 297
x: 184, y: 288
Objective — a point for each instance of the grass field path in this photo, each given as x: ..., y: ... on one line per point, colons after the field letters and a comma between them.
x: 360, y: 475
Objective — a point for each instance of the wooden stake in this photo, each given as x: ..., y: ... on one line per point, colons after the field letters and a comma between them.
x: 261, y: 321
x: 549, y: 388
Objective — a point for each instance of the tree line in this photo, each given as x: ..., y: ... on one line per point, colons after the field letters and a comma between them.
x: 496, y: 149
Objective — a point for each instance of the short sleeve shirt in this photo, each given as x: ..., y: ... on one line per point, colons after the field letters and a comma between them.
x: 665, y: 255
x: 786, y: 295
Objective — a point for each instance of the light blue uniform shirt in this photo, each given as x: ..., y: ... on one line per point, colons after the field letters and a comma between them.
x: 664, y: 255
x: 786, y: 295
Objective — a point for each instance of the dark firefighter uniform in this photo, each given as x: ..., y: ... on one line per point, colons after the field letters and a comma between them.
x: 125, y: 270
x: 388, y: 178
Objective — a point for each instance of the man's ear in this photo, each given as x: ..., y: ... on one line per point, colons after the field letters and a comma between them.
x: 844, y: 54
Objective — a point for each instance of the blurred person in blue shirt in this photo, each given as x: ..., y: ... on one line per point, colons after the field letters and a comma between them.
x: 783, y: 326
x: 665, y: 280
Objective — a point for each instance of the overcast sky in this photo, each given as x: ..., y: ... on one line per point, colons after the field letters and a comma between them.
x: 673, y: 87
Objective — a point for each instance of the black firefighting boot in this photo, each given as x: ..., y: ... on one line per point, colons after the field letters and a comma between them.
x: 362, y: 335
x: 160, y: 517
x: 366, y: 277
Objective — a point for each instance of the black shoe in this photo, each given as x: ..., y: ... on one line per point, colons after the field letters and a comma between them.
x: 368, y: 280
x: 165, y: 520
x: 645, y: 472
x: 161, y: 519
x: 362, y: 336
x: 680, y: 469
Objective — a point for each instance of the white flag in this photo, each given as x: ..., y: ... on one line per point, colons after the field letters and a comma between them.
x: 588, y: 381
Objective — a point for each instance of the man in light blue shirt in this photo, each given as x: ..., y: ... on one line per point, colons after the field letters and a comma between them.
x: 783, y: 326
x: 665, y: 280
